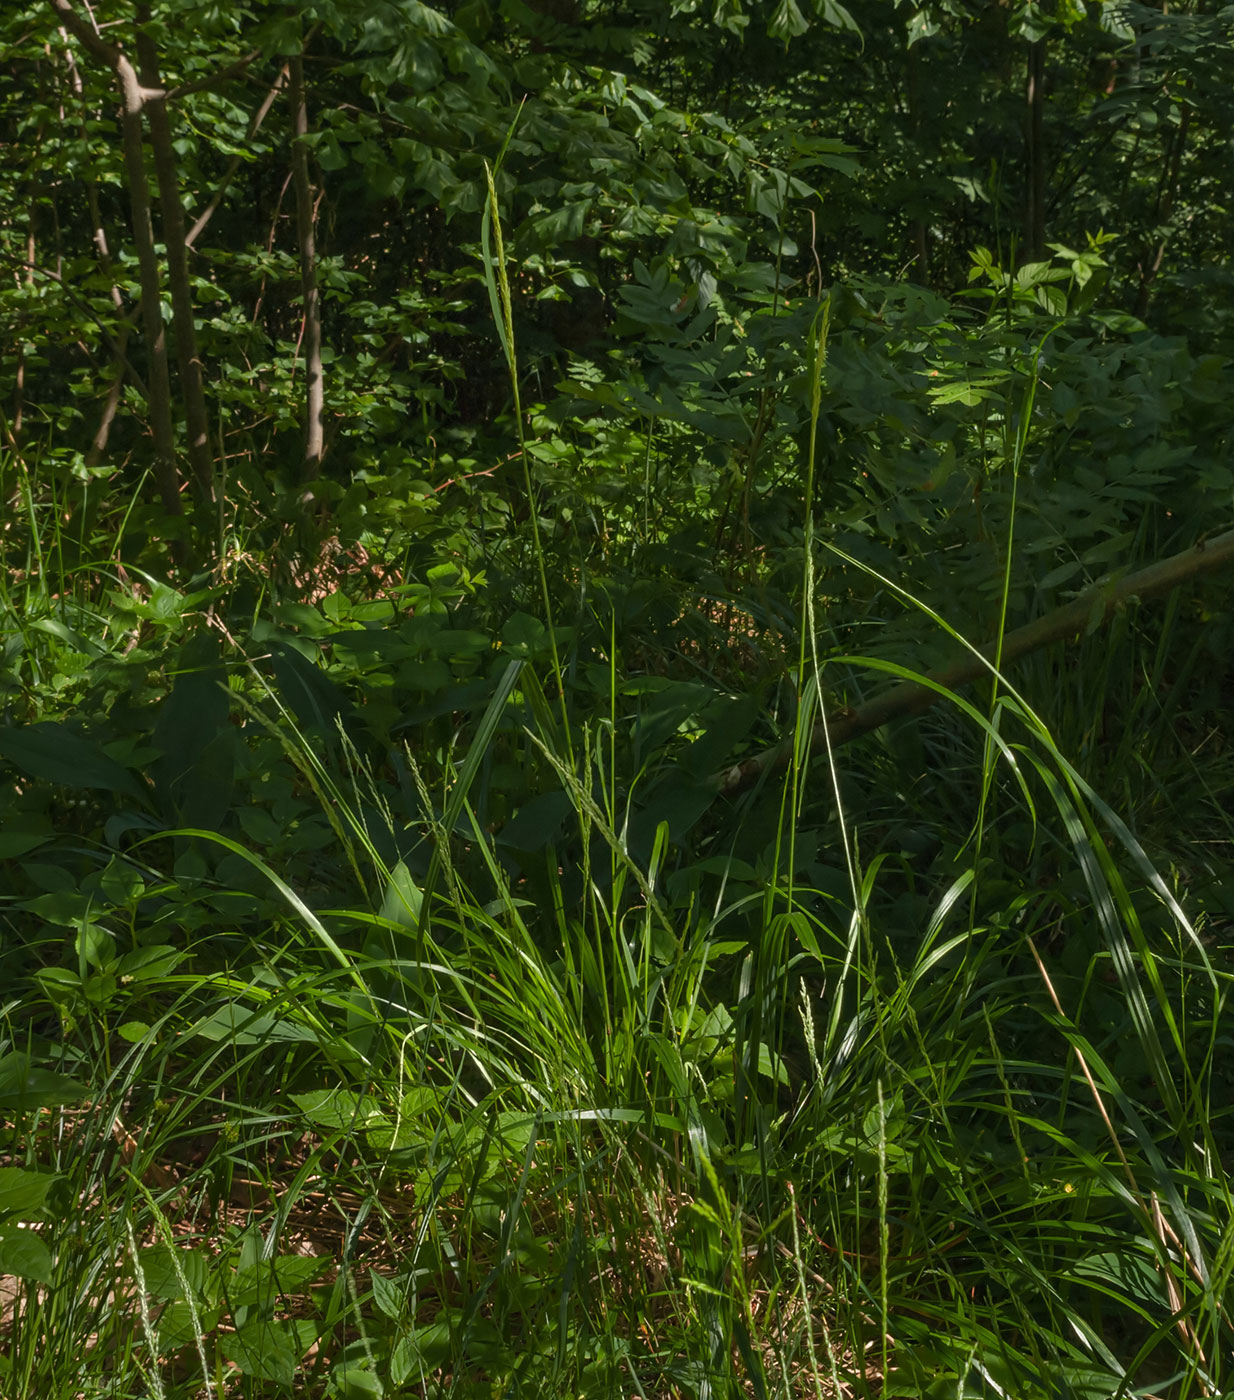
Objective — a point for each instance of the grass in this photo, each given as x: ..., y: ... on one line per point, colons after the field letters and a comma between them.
x: 963, y: 1133
x: 508, y: 1061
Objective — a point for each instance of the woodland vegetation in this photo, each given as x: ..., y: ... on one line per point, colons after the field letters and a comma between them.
x: 615, y: 769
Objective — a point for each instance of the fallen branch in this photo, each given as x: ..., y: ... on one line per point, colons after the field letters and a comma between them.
x: 1090, y: 610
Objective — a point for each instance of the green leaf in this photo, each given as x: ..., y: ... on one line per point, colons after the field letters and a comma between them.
x: 96, y: 946
x: 317, y: 702
x: 338, y: 1108
x: 403, y: 899
x: 239, y: 1023
x: 287, y: 1275
x: 25, y: 1193
x: 166, y: 1273
x: 193, y: 775
x: 54, y: 753
x: 265, y: 1350
x: 181, y: 1323
x: 351, y: 1381
x: 17, y: 843
x: 148, y: 964
x: 787, y: 21
x: 836, y: 15
x: 122, y: 883
x: 53, y: 627
x: 67, y: 907
x: 24, y: 1255
x: 24, y: 1087
x: 389, y: 1298
x: 423, y: 1349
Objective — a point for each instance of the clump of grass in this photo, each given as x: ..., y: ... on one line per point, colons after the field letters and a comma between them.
x: 956, y: 1130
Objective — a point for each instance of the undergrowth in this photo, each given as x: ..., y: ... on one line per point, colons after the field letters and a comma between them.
x: 399, y: 999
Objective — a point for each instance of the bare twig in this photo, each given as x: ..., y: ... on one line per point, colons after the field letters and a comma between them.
x: 234, y: 163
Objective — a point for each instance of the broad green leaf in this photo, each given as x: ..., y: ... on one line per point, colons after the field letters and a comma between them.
x: 167, y: 1272
x: 23, y: 1086
x: 265, y: 1349
x: 17, y: 843
x: 25, y: 1194
x: 240, y: 1023
x: 24, y: 1255
x: 403, y: 900
x: 51, y: 751
x: 339, y: 1108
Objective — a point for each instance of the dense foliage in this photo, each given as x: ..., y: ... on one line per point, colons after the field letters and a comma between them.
x: 614, y: 775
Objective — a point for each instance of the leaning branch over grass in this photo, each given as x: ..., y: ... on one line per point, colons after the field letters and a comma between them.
x: 1090, y: 610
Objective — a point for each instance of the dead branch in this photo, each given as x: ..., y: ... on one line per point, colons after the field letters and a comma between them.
x: 1091, y: 609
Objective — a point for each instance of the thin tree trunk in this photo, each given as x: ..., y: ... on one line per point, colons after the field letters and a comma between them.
x: 19, y: 387
x: 192, y: 379
x: 139, y: 100
x: 167, y: 472
x: 115, y: 390
x: 314, y: 389
x: 1034, y: 212
x: 912, y: 94
x: 234, y: 164
x: 1073, y: 620
x: 1165, y: 207
x: 158, y: 384
x: 98, y: 235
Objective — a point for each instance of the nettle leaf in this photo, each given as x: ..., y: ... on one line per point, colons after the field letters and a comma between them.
x: 352, y: 1380
x: 390, y: 1299
x: 551, y: 229
x: 167, y: 1274
x: 148, y: 964
x: 836, y: 15
x: 968, y: 392
x: 330, y: 154
x: 261, y: 1283
x: 422, y: 1349
x: 238, y: 1023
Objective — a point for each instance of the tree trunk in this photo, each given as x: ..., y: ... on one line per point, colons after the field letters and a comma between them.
x: 19, y: 387
x: 158, y: 383
x: 192, y: 379
x: 1167, y: 194
x: 115, y: 390
x: 98, y: 236
x: 1034, y: 209
x: 216, y: 199
x: 314, y: 388
x: 158, y: 380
